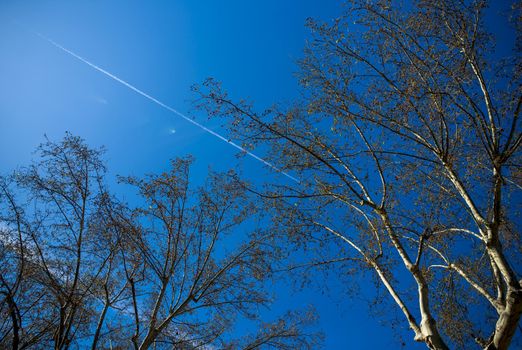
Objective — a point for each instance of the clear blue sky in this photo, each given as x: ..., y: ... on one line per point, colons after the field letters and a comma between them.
x: 161, y: 47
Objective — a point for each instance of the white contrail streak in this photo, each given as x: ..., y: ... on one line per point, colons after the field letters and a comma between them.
x: 167, y: 107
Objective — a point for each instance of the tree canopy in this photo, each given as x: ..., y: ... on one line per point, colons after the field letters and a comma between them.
x: 406, y: 145
x: 83, y: 269
x: 403, y: 166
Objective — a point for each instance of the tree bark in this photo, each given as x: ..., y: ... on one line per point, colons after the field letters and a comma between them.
x: 508, y: 320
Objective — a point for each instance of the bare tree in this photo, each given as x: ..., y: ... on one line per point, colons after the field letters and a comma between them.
x: 83, y: 269
x: 199, y: 270
x: 57, y: 259
x: 406, y: 145
x: 12, y: 254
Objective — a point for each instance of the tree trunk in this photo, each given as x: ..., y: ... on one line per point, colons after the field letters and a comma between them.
x: 428, y: 327
x: 508, y: 320
x: 99, y: 326
x: 149, y: 339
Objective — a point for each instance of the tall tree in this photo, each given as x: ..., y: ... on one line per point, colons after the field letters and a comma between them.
x: 407, y: 149
x: 79, y: 268
x: 198, y: 271
x: 46, y: 229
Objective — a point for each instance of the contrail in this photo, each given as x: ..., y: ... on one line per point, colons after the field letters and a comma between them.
x: 167, y: 107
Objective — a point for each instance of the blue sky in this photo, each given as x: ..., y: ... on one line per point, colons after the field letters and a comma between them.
x: 162, y: 48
